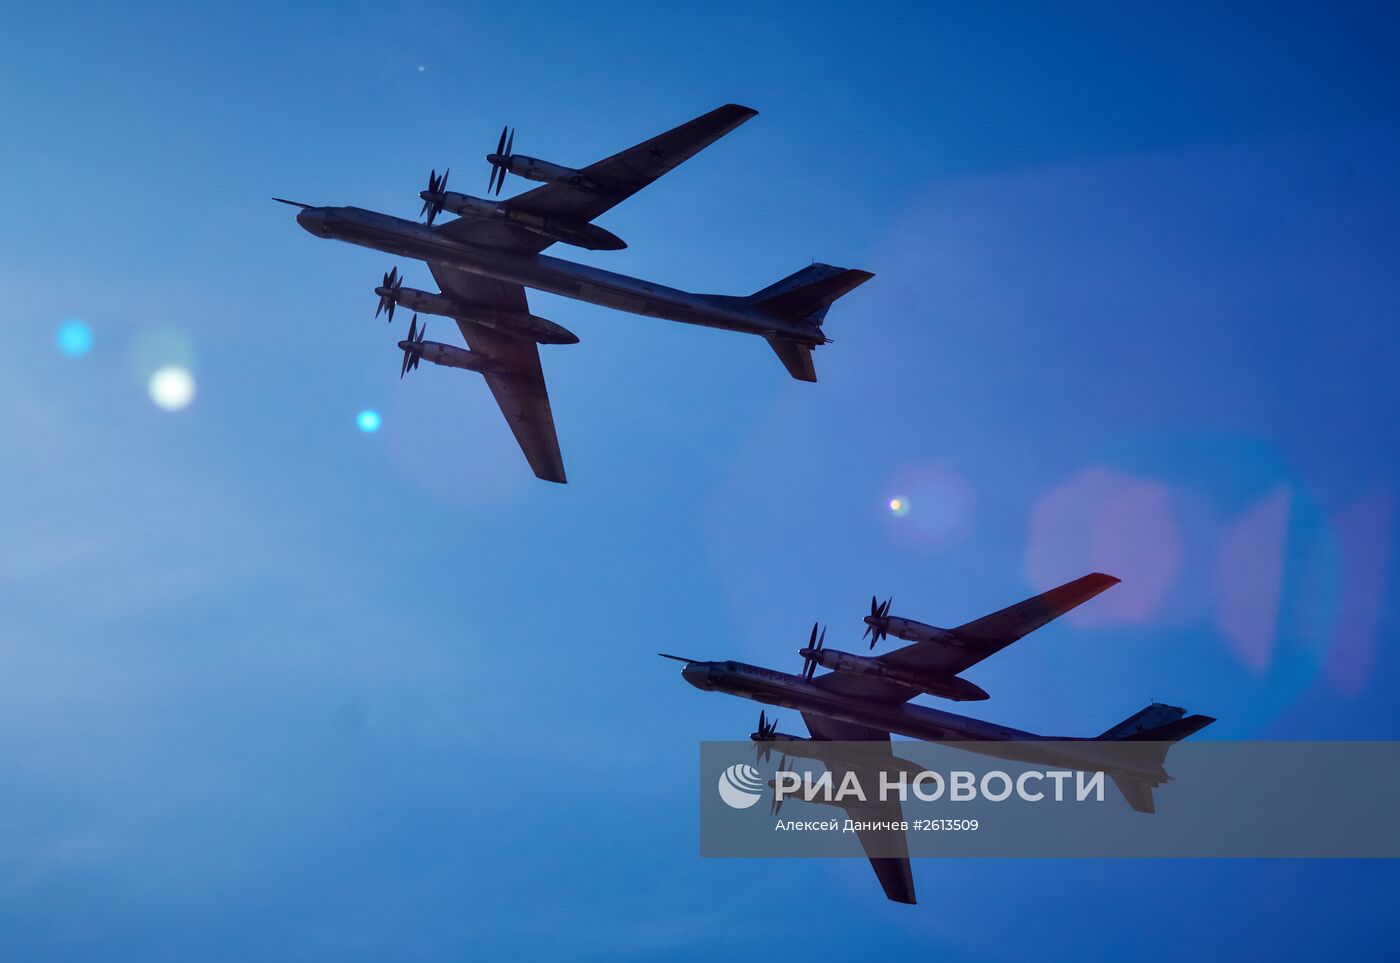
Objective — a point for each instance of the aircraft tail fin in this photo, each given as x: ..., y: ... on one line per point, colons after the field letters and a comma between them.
x: 797, y: 358
x: 807, y: 294
x: 1157, y: 728
x: 1137, y: 792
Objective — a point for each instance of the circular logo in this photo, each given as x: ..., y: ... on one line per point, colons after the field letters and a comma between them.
x: 740, y: 786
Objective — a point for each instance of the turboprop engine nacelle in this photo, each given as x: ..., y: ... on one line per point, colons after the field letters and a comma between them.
x: 588, y: 236
x: 779, y: 737
x: 451, y: 356
x: 946, y: 687
x: 422, y: 302
x: 534, y: 327
x: 534, y: 169
x: 531, y: 326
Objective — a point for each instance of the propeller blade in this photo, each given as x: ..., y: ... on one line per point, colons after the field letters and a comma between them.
x: 411, y: 354
x: 436, y: 185
x: 510, y: 144
x: 821, y: 642
x: 501, y: 144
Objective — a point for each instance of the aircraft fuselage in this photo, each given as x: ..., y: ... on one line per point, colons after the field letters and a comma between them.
x: 405, y: 238
x: 915, y: 721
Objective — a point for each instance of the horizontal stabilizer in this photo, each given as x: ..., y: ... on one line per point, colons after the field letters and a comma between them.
x: 1172, y: 731
x: 1155, y: 742
x: 797, y: 358
x: 808, y: 293
x: 1157, y: 714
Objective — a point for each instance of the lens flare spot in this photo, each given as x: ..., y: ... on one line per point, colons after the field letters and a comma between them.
x: 74, y: 338
x: 368, y: 421
x: 944, y: 499
x: 172, y: 387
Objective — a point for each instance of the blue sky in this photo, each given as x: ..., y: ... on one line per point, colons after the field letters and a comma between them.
x: 277, y: 689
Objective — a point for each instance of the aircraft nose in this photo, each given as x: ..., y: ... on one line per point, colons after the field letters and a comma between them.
x: 313, y: 221
x: 697, y: 675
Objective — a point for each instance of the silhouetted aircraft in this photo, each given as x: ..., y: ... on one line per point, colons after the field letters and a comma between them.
x: 865, y: 699
x: 484, y: 260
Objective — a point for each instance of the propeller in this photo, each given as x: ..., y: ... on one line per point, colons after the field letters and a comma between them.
x: 436, y: 187
x: 875, y: 625
x: 809, y: 661
x: 763, y: 738
x: 388, y: 293
x: 500, y: 159
x: 777, y: 803
x: 412, y: 346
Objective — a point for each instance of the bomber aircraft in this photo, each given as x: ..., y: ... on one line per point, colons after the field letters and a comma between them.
x: 485, y: 259
x: 865, y: 699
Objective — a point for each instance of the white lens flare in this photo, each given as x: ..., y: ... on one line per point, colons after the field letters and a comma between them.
x: 172, y: 388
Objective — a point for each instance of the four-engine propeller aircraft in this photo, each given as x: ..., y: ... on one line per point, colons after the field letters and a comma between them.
x: 865, y: 699
x: 484, y: 260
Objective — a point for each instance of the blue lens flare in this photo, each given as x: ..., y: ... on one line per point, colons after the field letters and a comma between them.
x: 368, y: 421
x: 74, y: 338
